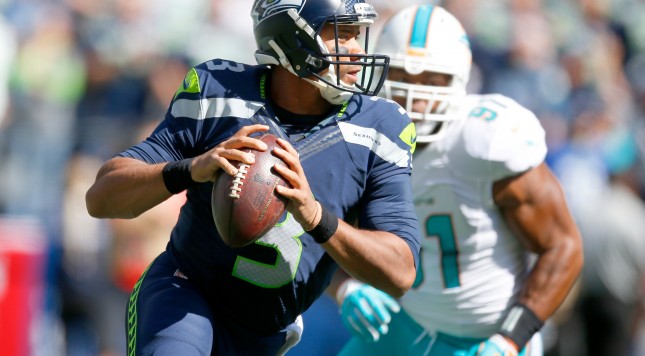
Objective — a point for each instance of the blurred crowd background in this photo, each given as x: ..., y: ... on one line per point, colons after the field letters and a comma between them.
x: 81, y: 80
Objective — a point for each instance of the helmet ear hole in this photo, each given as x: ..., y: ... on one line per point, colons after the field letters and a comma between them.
x: 316, y: 64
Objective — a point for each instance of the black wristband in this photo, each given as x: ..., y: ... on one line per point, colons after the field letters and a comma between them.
x: 176, y: 175
x: 520, y: 324
x: 326, y: 228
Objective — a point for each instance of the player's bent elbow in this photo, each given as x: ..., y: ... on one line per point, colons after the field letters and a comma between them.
x: 99, y: 208
x: 93, y: 205
x: 398, y: 292
x: 409, y: 281
x: 403, y: 285
x: 578, y: 255
x: 395, y: 291
x: 572, y: 253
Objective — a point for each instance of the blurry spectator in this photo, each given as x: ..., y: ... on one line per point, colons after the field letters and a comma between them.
x: 613, y: 280
x: 48, y: 79
x: 609, y: 306
x: 161, y: 88
x: 579, y: 163
x: 103, y: 260
x: 113, y: 98
x: 227, y: 33
x: 8, y: 47
x: 630, y: 13
x: 84, y: 264
x: 635, y: 69
x: 532, y: 75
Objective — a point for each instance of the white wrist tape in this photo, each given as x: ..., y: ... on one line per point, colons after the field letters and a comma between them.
x: 346, y: 288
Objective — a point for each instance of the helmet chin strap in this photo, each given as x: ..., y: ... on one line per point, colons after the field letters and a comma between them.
x: 333, y: 95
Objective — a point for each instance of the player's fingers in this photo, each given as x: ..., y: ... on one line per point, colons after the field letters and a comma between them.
x: 366, y: 325
x: 251, y: 129
x: 236, y: 142
x: 206, y: 166
x: 224, y: 165
x: 290, y: 176
x: 285, y: 192
x: 287, y: 146
x: 391, y: 304
x: 289, y: 155
x: 298, y: 198
x: 363, y: 328
x: 235, y: 154
x: 381, y: 312
x: 291, y: 159
x: 369, y: 311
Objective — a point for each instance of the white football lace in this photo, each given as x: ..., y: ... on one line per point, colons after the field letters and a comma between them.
x: 237, y: 181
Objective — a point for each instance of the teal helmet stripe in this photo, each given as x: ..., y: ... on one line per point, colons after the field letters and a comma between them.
x: 465, y: 40
x: 420, y: 27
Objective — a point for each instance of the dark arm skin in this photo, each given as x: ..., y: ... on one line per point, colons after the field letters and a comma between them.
x: 379, y: 258
x: 534, y: 206
x: 125, y: 188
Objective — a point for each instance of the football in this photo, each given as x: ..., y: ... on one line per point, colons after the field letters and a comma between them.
x: 246, y: 206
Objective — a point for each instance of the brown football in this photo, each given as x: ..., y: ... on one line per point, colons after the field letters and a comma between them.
x: 246, y: 206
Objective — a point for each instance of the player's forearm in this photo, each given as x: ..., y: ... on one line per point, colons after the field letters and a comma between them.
x: 126, y: 188
x: 378, y: 258
x: 552, y: 277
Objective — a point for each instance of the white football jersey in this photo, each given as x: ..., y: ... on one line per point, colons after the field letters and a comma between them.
x: 472, y: 267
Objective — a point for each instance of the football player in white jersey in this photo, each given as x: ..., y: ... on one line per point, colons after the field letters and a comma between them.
x: 500, y: 250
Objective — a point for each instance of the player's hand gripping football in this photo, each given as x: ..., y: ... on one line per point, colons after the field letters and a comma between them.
x: 302, y: 204
x: 365, y: 310
x: 205, y: 166
x: 496, y: 345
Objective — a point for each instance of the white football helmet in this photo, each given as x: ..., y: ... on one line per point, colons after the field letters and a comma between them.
x: 427, y: 39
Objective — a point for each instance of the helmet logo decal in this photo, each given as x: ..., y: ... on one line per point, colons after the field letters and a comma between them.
x: 190, y: 83
x: 266, y: 8
x: 409, y: 136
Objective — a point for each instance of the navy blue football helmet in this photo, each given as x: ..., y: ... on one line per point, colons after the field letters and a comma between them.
x: 287, y: 33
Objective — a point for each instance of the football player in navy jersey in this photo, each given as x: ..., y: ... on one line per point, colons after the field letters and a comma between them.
x: 348, y: 161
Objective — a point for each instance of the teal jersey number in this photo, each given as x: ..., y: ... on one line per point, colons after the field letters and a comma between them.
x: 483, y: 110
x: 440, y: 226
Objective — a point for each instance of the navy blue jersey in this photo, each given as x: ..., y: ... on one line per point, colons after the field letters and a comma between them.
x: 357, y: 162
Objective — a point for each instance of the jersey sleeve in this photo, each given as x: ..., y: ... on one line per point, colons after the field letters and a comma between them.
x: 175, y: 136
x: 205, y: 110
x: 388, y: 197
x: 500, y: 139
